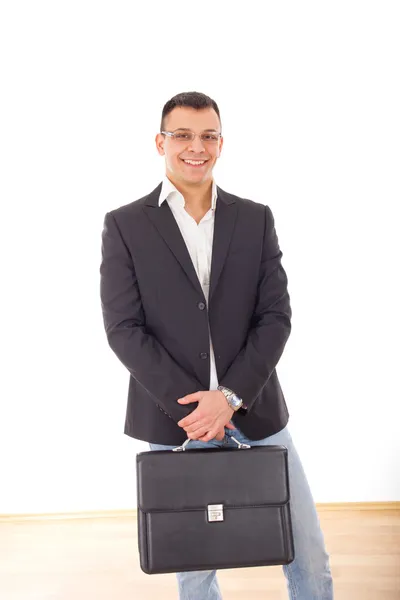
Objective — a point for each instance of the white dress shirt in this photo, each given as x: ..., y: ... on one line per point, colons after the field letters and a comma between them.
x: 199, y: 240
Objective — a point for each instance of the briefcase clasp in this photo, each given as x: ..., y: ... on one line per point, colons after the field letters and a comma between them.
x: 215, y: 512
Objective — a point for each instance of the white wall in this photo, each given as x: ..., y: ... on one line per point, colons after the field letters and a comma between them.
x: 309, y: 97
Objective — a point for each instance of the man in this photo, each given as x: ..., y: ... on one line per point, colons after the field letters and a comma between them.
x: 195, y: 305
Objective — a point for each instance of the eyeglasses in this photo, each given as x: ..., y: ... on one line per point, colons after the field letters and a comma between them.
x: 182, y: 135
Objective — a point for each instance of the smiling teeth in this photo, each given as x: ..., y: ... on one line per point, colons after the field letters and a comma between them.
x: 195, y: 162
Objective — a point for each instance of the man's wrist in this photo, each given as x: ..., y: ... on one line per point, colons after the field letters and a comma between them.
x: 234, y: 401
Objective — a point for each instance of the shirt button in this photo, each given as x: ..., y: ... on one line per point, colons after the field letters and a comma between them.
x: 203, y: 355
x: 201, y: 305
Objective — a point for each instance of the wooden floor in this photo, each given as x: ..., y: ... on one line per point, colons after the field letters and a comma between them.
x: 96, y: 559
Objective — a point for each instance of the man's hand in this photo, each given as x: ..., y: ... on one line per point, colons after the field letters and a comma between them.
x: 208, y: 420
x: 220, y: 435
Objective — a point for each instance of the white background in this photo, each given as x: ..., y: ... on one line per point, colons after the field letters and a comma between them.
x: 309, y: 99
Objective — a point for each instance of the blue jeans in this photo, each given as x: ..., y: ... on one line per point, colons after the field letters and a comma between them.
x: 308, y: 577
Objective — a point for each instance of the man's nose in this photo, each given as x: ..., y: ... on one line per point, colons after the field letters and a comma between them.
x: 197, y: 145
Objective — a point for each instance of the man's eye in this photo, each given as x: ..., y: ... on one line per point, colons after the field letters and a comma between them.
x: 182, y: 136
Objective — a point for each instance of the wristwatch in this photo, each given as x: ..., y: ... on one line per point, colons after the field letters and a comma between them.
x: 233, y: 399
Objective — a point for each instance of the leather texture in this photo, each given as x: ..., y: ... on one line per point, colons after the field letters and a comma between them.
x: 174, y: 490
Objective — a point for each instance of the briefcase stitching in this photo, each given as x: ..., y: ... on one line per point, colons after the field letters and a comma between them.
x: 226, y: 507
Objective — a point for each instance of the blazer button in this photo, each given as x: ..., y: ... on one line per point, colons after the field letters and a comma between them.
x: 203, y: 355
x: 201, y: 305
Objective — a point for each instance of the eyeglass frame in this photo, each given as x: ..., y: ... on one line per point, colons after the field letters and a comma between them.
x: 172, y: 133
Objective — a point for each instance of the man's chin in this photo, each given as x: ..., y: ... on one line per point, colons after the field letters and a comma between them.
x: 196, y: 178
x: 189, y: 178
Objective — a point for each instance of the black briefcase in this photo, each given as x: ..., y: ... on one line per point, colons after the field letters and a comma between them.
x: 206, y: 509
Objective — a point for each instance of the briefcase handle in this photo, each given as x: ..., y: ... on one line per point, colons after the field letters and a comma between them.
x: 183, y: 447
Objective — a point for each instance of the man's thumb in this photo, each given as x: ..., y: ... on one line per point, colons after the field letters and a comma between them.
x: 190, y: 398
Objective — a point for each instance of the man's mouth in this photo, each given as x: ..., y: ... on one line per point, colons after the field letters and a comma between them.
x: 194, y: 163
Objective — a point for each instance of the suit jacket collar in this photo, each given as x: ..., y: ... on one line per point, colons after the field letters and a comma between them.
x: 168, y: 188
x: 224, y: 224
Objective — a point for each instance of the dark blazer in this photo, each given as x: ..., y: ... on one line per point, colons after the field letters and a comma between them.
x: 157, y: 323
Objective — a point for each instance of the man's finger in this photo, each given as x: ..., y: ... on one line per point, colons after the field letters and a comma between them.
x: 195, y: 426
x: 190, y: 419
x: 190, y: 398
x: 196, y: 435
x: 209, y: 436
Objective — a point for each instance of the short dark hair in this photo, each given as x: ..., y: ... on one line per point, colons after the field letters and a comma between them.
x: 195, y: 100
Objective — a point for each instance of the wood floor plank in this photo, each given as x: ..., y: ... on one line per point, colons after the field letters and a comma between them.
x: 97, y: 559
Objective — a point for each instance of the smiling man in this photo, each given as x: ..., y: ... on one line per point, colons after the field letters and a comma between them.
x: 196, y: 306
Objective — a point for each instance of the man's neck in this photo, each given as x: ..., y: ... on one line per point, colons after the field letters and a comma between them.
x: 198, y: 198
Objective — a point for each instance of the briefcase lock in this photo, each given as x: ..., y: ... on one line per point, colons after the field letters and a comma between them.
x: 215, y: 512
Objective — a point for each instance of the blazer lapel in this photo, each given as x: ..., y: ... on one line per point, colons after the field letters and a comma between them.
x: 164, y: 221
x: 168, y: 228
x: 224, y: 224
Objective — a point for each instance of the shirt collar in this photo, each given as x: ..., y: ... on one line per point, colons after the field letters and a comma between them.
x: 169, y: 190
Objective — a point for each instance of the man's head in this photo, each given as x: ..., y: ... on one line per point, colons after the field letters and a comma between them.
x: 183, y: 115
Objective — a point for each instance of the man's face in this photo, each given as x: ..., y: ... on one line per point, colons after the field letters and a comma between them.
x: 176, y: 151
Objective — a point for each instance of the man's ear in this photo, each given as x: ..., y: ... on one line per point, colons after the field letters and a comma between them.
x: 160, y: 144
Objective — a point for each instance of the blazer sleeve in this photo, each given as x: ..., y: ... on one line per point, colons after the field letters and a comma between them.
x: 270, y: 326
x: 124, y: 321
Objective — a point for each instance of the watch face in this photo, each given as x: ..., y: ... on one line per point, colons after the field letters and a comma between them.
x: 235, y: 400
